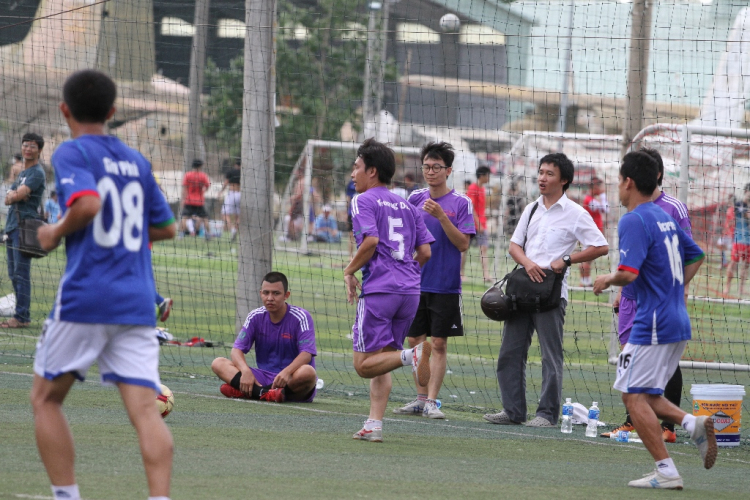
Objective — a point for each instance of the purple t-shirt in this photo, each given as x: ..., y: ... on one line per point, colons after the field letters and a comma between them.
x: 442, y: 273
x: 277, y: 344
x: 679, y: 212
x: 399, y: 227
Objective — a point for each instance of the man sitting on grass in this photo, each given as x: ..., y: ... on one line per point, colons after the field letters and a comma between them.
x: 284, y: 339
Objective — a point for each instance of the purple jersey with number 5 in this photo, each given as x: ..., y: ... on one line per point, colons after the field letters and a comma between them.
x: 399, y: 227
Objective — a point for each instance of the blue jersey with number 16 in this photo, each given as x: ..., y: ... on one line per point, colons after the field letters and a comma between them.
x: 654, y: 247
x: 108, y: 276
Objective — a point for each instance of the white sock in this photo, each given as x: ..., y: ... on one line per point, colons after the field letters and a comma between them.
x: 406, y: 357
x: 66, y: 492
x: 666, y: 468
x: 421, y: 397
x: 371, y: 424
x: 688, y: 423
x: 158, y: 498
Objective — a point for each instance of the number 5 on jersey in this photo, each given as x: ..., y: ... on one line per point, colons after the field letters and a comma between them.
x: 393, y: 224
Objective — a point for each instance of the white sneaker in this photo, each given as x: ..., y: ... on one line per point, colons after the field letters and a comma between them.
x: 421, y: 362
x: 656, y: 480
x: 705, y: 439
x: 374, y: 436
x: 432, y: 411
x: 414, y: 408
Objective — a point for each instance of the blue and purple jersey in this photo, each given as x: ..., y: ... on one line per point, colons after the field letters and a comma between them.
x: 277, y: 344
x: 679, y: 212
x: 108, y: 276
x: 400, y: 229
x: 657, y: 250
x: 442, y: 273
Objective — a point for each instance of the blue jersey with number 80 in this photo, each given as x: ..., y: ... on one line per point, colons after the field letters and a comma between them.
x: 654, y: 247
x: 108, y: 276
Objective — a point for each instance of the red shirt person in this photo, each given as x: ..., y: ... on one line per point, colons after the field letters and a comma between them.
x: 478, y: 198
x: 194, y: 186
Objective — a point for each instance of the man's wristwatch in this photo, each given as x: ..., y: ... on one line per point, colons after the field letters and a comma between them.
x: 566, y: 260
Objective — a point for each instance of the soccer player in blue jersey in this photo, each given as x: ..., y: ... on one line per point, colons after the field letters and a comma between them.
x: 659, y: 259
x: 284, y: 339
x: 392, y: 244
x: 112, y: 208
x: 449, y: 216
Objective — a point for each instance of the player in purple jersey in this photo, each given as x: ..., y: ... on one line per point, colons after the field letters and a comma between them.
x: 392, y: 244
x: 284, y: 340
x: 449, y: 217
x: 625, y: 305
x: 112, y: 208
x: 660, y: 260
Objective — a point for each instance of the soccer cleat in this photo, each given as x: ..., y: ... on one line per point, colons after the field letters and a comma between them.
x: 231, y: 392
x: 421, y: 362
x: 669, y: 436
x: 375, y: 435
x: 624, y: 427
x: 501, y: 418
x: 165, y: 308
x: 656, y: 480
x: 273, y: 395
x: 705, y: 439
x: 416, y: 407
x: 431, y: 410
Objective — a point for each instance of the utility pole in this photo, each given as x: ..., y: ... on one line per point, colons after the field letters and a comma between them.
x: 194, y: 147
x: 640, y: 42
x: 258, y: 135
x: 568, y: 72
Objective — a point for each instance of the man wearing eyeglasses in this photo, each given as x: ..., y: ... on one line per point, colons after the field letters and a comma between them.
x: 449, y: 216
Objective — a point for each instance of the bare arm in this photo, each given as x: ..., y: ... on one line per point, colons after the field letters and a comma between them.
x: 364, y: 253
x: 162, y: 233
x: 285, y: 375
x: 20, y: 194
x: 423, y: 254
x: 690, y: 270
x: 79, y: 215
x: 618, y: 278
x: 459, y: 239
x: 586, y: 255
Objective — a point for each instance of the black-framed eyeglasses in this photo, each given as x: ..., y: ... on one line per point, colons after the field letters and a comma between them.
x: 435, y: 168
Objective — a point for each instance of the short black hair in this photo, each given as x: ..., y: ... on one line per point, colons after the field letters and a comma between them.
x: 90, y: 95
x: 747, y: 187
x: 17, y: 156
x: 410, y: 176
x: 642, y: 168
x: 563, y: 163
x: 275, y: 277
x: 380, y: 157
x: 659, y: 162
x: 238, y: 161
x: 197, y: 163
x: 483, y: 170
x: 32, y: 137
x: 53, y: 193
x: 438, y: 151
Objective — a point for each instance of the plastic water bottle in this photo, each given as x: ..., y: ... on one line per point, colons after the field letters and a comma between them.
x: 620, y: 436
x: 438, y: 403
x: 567, y: 417
x: 592, y: 427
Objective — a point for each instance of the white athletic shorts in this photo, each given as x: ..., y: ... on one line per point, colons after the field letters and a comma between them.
x: 125, y: 353
x: 231, y: 204
x: 646, y: 369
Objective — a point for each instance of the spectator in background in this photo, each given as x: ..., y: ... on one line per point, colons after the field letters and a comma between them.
x: 194, y: 186
x: 513, y: 209
x: 24, y: 199
x: 350, y: 192
x: 326, y: 226
x: 52, y: 208
x: 399, y: 190
x: 230, y: 209
x: 738, y: 232
x: 478, y: 198
x: 16, y: 168
x: 410, y: 183
x: 596, y: 205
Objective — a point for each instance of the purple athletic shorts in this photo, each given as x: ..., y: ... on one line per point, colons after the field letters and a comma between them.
x: 264, y: 377
x: 625, y: 319
x: 383, y: 320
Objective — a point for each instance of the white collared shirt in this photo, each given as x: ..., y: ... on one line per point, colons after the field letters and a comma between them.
x: 554, y: 232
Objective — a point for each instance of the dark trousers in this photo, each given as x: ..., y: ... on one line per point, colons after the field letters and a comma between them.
x: 19, y: 271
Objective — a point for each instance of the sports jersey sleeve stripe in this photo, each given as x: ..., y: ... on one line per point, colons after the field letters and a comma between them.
x: 304, y: 325
x: 628, y: 269
x: 695, y: 259
x: 468, y: 200
x: 166, y: 223
x: 80, y: 194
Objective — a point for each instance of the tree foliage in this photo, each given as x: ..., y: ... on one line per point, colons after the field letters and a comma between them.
x: 320, y: 62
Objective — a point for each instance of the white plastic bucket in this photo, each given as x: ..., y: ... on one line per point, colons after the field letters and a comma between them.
x: 723, y: 403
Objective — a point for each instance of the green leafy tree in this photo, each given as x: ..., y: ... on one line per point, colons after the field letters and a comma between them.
x: 320, y: 62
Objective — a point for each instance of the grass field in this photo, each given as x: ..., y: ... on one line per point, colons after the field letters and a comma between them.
x: 232, y: 449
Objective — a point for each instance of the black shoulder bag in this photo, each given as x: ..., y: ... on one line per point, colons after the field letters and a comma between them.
x: 529, y: 296
x: 28, y: 242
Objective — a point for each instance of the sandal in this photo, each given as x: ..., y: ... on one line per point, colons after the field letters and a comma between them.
x: 13, y: 323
